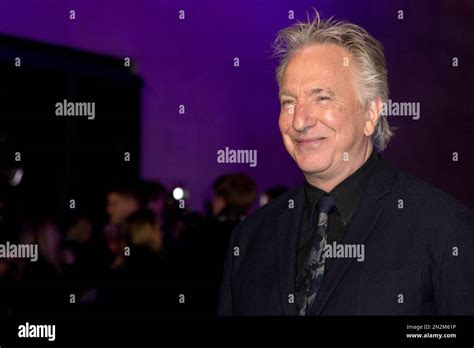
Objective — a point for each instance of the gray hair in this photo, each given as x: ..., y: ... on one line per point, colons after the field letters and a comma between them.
x: 366, y: 50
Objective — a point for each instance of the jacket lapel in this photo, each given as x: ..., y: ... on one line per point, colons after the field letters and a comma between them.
x: 289, y: 223
x: 359, y: 229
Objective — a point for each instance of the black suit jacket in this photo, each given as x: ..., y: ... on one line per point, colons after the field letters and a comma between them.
x: 419, y: 255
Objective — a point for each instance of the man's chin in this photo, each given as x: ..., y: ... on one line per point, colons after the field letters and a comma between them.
x: 311, y: 165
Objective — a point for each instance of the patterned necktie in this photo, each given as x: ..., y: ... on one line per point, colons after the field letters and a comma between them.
x: 311, y: 276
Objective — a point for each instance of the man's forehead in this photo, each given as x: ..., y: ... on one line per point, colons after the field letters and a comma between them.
x: 316, y: 67
x: 326, y: 52
x: 310, y: 82
x: 319, y: 57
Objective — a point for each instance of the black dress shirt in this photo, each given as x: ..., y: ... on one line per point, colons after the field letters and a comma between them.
x: 347, y: 195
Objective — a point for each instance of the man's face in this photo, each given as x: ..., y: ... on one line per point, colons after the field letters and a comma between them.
x: 119, y: 207
x: 320, y: 117
x: 218, y: 204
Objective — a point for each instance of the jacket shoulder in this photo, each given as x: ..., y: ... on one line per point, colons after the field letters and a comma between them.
x: 434, y: 209
x: 427, y: 196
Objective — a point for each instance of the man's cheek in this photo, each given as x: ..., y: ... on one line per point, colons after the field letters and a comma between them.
x: 283, y: 122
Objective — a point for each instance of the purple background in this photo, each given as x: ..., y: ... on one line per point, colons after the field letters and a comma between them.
x: 190, y: 62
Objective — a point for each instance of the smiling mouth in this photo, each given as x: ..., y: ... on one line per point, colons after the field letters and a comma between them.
x: 311, y: 141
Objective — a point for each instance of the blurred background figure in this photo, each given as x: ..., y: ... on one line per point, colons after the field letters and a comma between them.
x: 232, y: 199
x: 137, y: 283
x: 2, y: 209
x: 272, y: 193
x: 46, y: 234
x: 178, y: 225
x: 156, y: 198
x: 170, y: 218
x: 40, y: 282
x: 82, y: 253
x: 122, y: 201
x: 144, y: 237
x: 233, y: 196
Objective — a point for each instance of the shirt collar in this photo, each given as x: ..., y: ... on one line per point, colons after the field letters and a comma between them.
x: 346, y: 194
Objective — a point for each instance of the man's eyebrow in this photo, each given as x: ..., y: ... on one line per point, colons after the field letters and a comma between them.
x: 318, y: 90
x: 285, y: 93
x: 313, y: 91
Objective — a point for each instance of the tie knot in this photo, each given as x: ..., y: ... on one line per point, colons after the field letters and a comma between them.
x: 325, y: 204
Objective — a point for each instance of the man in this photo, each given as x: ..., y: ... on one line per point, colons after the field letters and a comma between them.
x: 121, y: 203
x: 358, y: 237
x: 233, y: 195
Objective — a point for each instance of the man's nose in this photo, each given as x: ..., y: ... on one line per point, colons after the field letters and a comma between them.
x: 303, y: 117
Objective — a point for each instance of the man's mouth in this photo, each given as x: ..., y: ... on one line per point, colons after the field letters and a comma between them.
x: 310, y: 141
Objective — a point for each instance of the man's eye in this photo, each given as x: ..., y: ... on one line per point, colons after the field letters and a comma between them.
x: 286, y: 102
x: 322, y: 98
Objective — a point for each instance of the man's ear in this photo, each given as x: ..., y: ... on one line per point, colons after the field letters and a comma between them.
x: 373, y: 115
